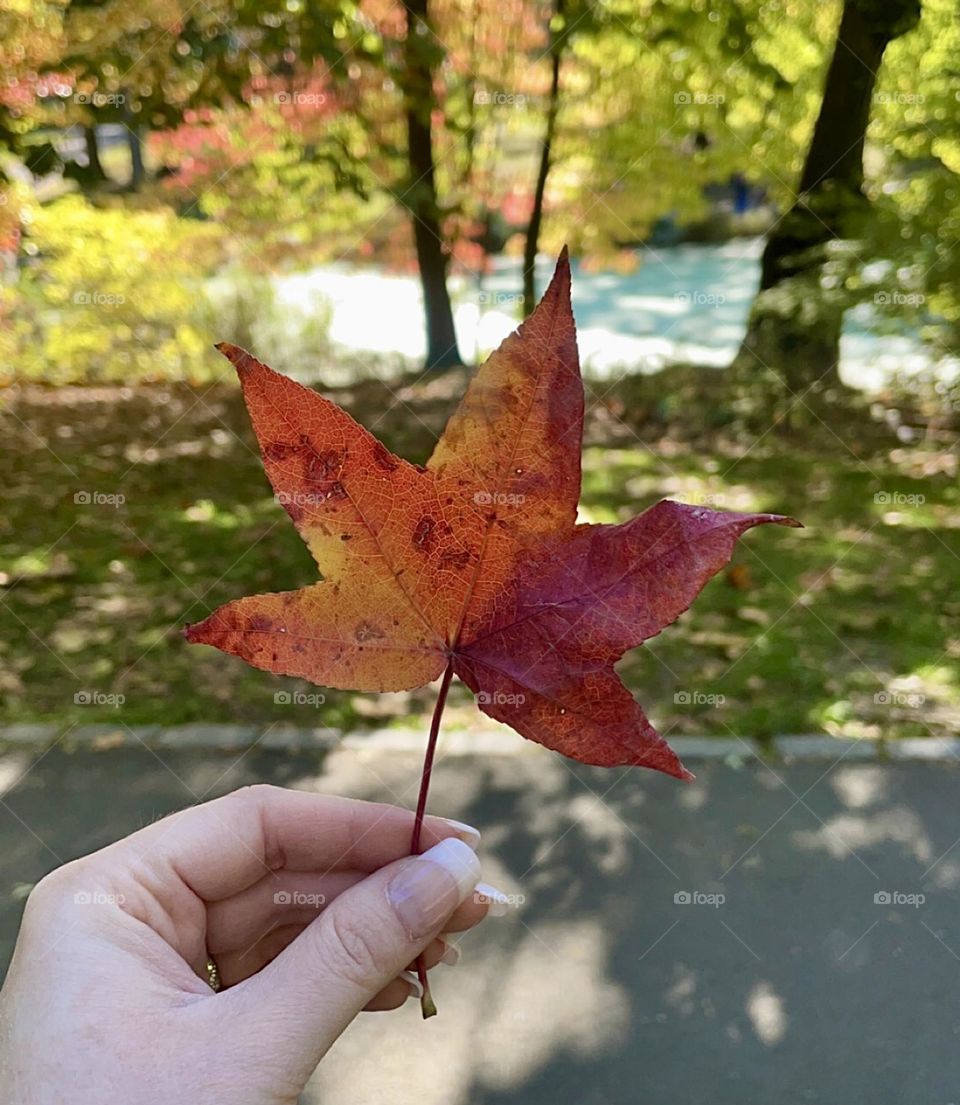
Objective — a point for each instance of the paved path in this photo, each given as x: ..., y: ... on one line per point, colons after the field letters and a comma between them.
x: 606, y: 988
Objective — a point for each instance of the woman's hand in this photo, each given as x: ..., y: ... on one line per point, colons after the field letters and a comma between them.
x: 310, y: 906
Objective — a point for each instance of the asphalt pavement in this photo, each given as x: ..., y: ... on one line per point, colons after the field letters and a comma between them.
x: 767, y: 934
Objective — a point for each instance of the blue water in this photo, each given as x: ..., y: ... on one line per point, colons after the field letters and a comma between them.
x: 686, y: 303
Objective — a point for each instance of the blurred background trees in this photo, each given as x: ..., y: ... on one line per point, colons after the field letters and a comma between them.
x: 433, y: 136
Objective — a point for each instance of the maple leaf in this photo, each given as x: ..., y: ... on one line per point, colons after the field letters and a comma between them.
x: 474, y: 564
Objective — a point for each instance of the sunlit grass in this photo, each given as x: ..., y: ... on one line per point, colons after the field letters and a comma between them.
x: 849, y: 626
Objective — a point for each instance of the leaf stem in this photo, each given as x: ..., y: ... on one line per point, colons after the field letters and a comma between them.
x: 427, y: 1005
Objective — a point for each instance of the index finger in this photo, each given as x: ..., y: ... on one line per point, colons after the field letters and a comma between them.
x: 221, y: 847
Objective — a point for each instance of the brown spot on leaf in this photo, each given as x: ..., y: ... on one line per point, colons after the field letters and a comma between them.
x: 455, y: 560
x: 276, y: 451
x: 383, y: 458
x: 323, y: 467
x: 423, y: 534
x: 367, y: 631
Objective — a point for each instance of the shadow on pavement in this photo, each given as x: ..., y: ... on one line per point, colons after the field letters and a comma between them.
x: 783, y: 934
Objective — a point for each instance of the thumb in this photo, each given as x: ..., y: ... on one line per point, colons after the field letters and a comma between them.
x: 366, y: 936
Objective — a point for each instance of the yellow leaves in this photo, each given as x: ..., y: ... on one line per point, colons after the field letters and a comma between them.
x: 120, y: 294
x: 947, y: 149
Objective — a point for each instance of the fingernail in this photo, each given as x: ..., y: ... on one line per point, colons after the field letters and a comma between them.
x: 451, y: 954
x: 467, y: 833
x: 428, y: 888
x: 416, y: 990
x: 497, y: 902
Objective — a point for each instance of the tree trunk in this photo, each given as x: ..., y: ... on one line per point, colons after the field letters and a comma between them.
x: 420, y: 197
x: 135, y: 145
x: 532, y: 241
x: 95, y: 170
x: 793, y: 335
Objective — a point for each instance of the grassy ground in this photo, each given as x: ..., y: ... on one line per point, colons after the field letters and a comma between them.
x: 850, y: 626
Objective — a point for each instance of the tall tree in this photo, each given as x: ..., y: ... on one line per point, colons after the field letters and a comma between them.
x: 96, y: 172
x: 422, y: 54
x: 795, y: 322
x: 558, y: 35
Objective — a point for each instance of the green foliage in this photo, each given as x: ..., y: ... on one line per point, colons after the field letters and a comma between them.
x: 710, y: 94
x: 105, y: 585
x: 737, y: 89
x: 915, y: 183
